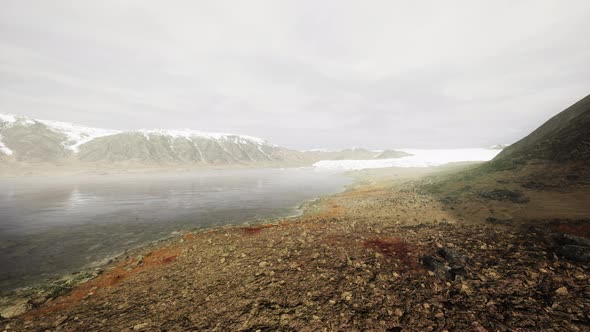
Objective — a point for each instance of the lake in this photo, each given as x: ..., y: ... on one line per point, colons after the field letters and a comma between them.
x: 53, y: 226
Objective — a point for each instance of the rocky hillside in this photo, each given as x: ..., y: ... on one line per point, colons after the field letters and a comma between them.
x: 565, y: 137
x: 34, y: 141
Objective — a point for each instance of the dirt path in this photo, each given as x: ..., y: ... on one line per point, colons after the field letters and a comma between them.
x: 381, y: 257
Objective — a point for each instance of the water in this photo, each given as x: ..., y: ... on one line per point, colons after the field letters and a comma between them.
x: 51, y: 226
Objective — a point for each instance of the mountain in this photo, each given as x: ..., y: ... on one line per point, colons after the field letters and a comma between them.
x: 25, y: 139
x: 32, y: 142
x: 391, y: 154
x: 354, y: 154
x: 28, y: 140
x: 564, y: 137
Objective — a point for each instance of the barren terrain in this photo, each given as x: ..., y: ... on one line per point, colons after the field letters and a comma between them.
x: 404, y: 250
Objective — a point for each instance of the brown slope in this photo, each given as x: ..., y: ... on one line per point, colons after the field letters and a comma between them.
x: 565, y: 137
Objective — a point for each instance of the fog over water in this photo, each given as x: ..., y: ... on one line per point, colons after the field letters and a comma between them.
x: 51, y: 226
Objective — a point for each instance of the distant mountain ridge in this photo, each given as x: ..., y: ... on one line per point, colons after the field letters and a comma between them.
x: 354, y: 154
x: 30, y: 141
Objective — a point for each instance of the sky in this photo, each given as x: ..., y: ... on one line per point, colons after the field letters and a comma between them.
x: 300, y: 74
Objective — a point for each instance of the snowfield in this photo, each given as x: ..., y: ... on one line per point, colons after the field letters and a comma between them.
x: 76, y: 134
x: 4, y: 149
x: 189, y: 133
x: 419, y: 158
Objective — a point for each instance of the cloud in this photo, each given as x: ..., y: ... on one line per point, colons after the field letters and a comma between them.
x: 303, y: 74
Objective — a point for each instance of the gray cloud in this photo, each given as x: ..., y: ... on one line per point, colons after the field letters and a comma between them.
x: 304, y: 74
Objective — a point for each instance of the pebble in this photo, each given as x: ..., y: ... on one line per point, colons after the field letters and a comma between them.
x: 465, y: 289
x: 347, y: 296
x: 562, y: 291
x: 140, y: 327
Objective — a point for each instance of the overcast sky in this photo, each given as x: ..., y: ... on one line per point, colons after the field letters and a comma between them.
x: 302, y: 74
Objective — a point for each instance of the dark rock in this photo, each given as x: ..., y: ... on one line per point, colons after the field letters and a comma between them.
x: 456, y: 261
x: 449, y: 200
x: 455, y: 258
x: 565, y: 239
x: 37, y: 300
x: 572, y: 177
x: 496, y: 221
x: 533, y: 185
x: 574, y: 253
x: 436, y: 265
x: 505, y: 195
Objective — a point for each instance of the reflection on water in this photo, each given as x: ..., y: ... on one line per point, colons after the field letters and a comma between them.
x: 50, y: 227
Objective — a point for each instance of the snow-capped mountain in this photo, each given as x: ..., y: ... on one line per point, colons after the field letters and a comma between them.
x: 30, y: 140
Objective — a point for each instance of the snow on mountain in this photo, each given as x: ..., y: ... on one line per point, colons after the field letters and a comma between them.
x: 418, y: 158
x: 4, y: 149
x: 31, y: 140
x: 189, y: 133
x: 76, y: 134
x: 8, y: 118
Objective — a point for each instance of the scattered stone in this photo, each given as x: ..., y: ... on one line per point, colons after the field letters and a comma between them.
x: 16, y: 309
x: 347, y: 296
x: 141, y: 327
x: 562, y: 291
x: 318, y: 275
x: 37, y: 300
x: 60, y: 320
x: 465, y: 289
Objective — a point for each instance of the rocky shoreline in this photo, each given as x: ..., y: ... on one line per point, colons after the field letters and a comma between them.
x: 388, y: 255
x: 22, y: 300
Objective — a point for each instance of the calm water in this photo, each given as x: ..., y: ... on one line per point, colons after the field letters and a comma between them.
x: 49, y: 227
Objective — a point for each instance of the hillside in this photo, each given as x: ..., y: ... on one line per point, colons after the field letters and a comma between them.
x: 543, y: 178
x: 565, y: 137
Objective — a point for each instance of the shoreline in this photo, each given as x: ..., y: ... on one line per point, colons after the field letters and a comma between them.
x: 386, y: 253
x: 68, y: 281
x: 64, y: 283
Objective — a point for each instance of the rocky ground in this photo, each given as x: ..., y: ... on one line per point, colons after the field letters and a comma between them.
x: 387, y: 255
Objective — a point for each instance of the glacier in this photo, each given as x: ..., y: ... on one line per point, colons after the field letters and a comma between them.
x: 419, y: 158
